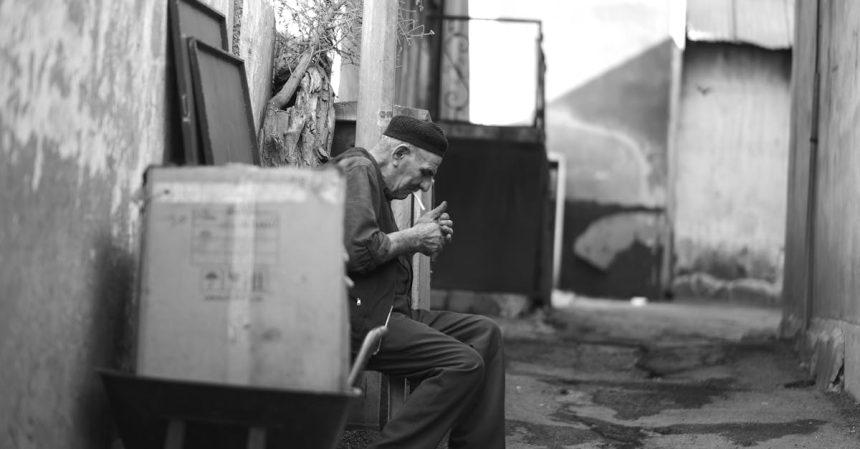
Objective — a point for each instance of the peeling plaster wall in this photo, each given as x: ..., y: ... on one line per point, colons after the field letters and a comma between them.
x: 83, y: 112
x: 613, y: 133
x: 732, y: 159
x: 82, y: 88
x: 256, y: 43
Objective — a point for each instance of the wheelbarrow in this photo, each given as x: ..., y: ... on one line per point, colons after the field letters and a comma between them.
x: 157, y: 413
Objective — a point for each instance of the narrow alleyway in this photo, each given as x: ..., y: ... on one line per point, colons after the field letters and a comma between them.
x: 604, y: 374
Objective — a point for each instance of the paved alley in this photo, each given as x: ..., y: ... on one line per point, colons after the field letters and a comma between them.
x: 605, y: 374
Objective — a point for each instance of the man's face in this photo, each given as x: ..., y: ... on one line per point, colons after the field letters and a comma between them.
x: 413, y: 170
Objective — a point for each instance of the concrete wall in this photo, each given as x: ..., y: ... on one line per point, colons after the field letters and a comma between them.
x: 83, y: 97
x: 826, y: 255
x: 731, y: 161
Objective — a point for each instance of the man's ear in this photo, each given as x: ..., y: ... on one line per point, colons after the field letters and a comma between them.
x: 401, y: 151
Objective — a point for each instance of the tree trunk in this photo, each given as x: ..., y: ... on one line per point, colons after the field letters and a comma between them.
x: 300, y: 135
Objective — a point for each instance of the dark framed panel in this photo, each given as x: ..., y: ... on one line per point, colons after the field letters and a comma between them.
x: 190, y: 18
x: 223, y: 103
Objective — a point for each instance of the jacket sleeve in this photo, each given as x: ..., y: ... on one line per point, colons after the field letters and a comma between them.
x: 365, y: 243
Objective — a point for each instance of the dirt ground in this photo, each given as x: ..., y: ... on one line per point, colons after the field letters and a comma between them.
x: 606, y: 374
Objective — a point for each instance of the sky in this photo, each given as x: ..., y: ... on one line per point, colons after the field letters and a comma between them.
x: 582, y: 39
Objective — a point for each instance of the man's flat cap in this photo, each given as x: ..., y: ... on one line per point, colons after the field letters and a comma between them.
x: 425, y: 135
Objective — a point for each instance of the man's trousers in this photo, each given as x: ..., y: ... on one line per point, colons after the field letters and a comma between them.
x: 459, y: 361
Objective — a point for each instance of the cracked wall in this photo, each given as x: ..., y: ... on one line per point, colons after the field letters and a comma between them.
x: 83, y: 97
x: 613, y: 133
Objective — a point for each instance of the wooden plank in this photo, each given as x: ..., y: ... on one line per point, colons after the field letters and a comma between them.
x: 420, y: 262
x: 257, y: 438
x: 668, y: 231
x: 376, y: 76
x: 175, y: 437
x: 368, y: 410
x: 796, y: 285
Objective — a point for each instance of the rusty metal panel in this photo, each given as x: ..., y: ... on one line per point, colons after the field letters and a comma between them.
x: 190, y: 18
x: 224, y: 106
x: 765, y: 23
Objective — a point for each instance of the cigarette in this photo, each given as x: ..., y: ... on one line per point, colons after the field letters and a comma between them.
x: 418, y: 198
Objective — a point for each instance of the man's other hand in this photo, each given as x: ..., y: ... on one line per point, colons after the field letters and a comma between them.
x: 440, y: 216
x: 433, y: 215
x: 447, y: 225
x: 429, y: 238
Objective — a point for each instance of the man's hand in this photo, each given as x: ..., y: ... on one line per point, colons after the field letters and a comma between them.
x: 440, y: 216
x: 434, y: 214
x: 447, y: 226
x: 429, y: 234
x: 435, y: 228
x: 429, y: 238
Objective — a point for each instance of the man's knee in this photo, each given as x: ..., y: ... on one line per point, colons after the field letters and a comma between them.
x: 468, y: 364
x: 490, y: 334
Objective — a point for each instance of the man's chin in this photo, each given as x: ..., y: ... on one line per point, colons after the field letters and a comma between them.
x: 402, y: 195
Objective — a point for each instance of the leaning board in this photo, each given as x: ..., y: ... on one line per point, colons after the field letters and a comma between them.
x: 223, y: 106
x: 192, y: 19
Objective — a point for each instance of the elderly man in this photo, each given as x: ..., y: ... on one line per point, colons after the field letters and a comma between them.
x: 456, y: 360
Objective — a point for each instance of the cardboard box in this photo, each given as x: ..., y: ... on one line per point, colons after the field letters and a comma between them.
x: 242, y: 278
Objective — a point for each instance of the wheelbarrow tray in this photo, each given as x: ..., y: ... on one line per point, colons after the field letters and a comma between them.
x: 217, y: 416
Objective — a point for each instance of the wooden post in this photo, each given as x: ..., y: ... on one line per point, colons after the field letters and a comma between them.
x: 376, y: 70
x: 376, y: 89
x: 376, y: 93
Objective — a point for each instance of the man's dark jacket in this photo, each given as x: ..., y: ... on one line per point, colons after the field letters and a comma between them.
x: 368, y: 219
